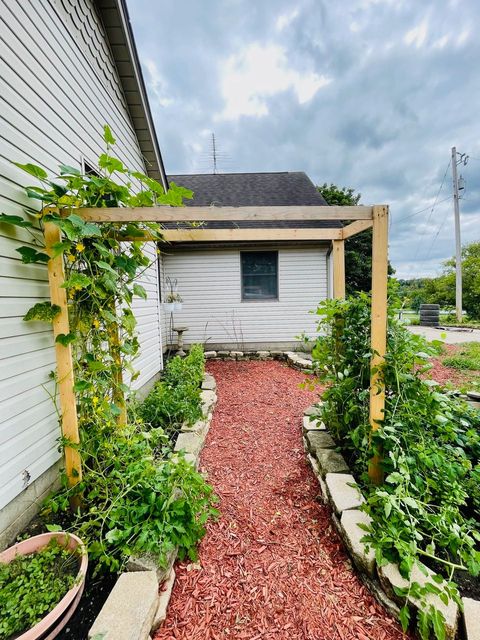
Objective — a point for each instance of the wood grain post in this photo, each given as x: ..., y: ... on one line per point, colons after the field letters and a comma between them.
x: 378, y: 329
x: 68, y: 406
x: 338, y: 268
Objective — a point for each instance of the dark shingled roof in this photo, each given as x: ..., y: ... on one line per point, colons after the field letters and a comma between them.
x: 254, y: 189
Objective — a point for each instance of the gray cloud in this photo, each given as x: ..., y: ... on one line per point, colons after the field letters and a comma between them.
x: 404, y: 87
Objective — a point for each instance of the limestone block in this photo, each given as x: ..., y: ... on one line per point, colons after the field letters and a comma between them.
x: 471, y: 618
x: 390, y: 577
x: 342, y: 494
x: 210, y: 354
x: 149, y: 562
x: 352, y: 534
x: 319, y: 440
x: 313, y: 424
x: 330, y: 461
x: 130, y: 608
x: 164, y: 599
x: 190, y: 442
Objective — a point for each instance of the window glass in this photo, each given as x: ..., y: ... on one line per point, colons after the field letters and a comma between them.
x: 259, y: 275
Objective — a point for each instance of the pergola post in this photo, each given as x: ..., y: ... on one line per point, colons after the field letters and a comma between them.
x: 338, y: 268
x: 65, y: 374
x: 378, y: 328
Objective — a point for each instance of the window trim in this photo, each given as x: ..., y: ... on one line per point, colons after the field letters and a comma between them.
x: 277, y: 274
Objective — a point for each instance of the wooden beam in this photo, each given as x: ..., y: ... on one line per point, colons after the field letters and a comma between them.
x: 219, y: 214
x: 356, y: 227
x: 378, y: 329
x: 249, y: 235
x: 338, y: 269
x: 68, y: 405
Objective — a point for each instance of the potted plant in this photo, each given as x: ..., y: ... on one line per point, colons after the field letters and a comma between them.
x: 173, y: 302
x: 41, y: 583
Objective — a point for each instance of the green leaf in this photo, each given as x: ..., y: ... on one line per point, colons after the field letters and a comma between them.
x: 39, y: 194
x: 17, y: 221
x: 107, y: 135
x: 110, y: 163
x: 60, y: 247
x: 44, y: 311
x: 33, y: 169
x: 438, y: 624
x: 31, y: 255
x: 78, y: 281
x: 53, y: 527
x: 65, y: 338
x: 404, y: 616
x: 139, y: 291
x: 106, y: 267
x: 66, y: 169
x: 81, y: 385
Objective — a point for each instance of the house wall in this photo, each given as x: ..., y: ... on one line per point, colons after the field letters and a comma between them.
x: 209, y: 283
x: 58, y: 87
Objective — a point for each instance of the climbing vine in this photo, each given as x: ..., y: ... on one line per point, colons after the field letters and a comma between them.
x: 136, y: 497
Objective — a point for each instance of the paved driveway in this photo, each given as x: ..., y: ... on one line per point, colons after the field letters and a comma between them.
x: 449, y: 336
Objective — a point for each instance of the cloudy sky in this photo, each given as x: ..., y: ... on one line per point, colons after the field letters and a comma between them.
x: 369, y: 94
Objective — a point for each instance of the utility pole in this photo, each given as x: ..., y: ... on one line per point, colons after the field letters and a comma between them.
x: 458, y: 242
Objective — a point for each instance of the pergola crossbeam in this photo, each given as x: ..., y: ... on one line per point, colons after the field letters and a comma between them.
x: 223, y: 214
x: 356, y: 227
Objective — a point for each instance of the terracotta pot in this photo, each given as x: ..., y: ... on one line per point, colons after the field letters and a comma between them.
x: 53, y: 622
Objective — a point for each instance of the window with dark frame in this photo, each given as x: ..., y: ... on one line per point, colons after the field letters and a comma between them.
x: 259, y: 274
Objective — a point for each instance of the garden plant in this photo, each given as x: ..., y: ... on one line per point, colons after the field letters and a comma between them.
x: 135, y: 495
x: 427, y: 511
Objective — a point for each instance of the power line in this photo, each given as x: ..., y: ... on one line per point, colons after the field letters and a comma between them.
x: 415, y: 213
x: 432, y: 209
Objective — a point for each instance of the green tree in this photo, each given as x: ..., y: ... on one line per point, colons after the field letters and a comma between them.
x: 470, y: 280
x: 358, y: 248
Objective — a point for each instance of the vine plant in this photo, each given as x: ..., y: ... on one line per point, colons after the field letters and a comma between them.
x: 123, y: 483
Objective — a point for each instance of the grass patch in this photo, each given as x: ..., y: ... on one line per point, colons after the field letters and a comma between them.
x: 466, y: 358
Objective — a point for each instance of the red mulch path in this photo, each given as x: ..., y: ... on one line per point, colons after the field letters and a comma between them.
x: 272, y: 567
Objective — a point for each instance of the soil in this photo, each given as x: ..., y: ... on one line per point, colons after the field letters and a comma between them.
x: 272, y: 567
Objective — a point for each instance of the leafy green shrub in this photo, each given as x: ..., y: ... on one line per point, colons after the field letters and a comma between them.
x: 175, y: 400
x: 32, y: 585
x: 429, y: 442
x: 141, y: 498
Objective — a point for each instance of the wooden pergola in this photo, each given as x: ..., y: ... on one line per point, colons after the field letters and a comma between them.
x: 359, y: 218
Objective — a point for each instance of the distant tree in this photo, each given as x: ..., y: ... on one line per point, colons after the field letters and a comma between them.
x: 358, y: 248
x: 470, y: 280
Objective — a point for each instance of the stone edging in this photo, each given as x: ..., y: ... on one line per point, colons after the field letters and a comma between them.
x: 295, y: 359
x: 342, y: 493
x: 135, y: 608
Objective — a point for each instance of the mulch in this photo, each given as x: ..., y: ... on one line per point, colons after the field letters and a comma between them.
x: 271, y: 567
x: 449, y: 375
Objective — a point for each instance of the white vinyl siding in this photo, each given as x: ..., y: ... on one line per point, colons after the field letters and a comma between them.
x: 210, y: 285
x: 54, y: 102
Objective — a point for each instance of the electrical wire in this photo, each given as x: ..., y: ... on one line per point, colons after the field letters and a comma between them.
x: 432, y: 209
x: 415, y: 213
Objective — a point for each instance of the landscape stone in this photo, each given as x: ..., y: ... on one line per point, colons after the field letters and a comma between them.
x: 197, y: 427
x: 190, y: 442
x: 313, y: 424
x: 330, y: 461
x: 319, y: 440
x: 313, y: 410
x: 149, y: 562
x: 263, y: 354
x: 352, y: 534
x: 474, y: 395
x: 130, y: 608
x: 210, y: 354
x: 209, y: 383
x: 341, y: 493
x: 390, y: 577
x: 164, y: 599
x: 236, y: 354
x: 471, y: 618
x: 223, y: 354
